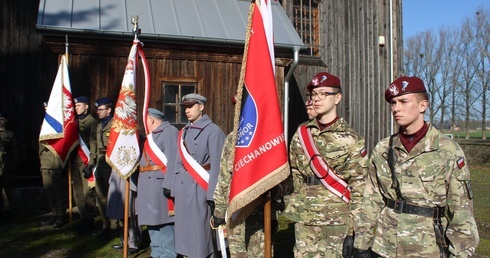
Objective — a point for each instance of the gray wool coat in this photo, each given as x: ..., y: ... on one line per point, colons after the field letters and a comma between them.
x: 151, y: 204
x: 193, y: 237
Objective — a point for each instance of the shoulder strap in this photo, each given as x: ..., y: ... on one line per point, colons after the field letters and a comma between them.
x: 394, y: 181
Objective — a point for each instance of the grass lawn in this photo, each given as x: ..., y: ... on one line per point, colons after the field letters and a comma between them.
x: 22, y: 237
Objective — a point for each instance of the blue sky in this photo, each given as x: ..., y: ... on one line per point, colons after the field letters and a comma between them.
x: 422, y: 15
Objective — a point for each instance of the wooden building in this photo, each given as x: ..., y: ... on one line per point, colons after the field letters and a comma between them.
x: 341, y: 37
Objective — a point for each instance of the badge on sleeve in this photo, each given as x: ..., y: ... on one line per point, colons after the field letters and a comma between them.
x: 461, y: 162
x: 363, y: 152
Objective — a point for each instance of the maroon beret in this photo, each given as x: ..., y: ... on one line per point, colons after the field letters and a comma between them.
x: 323, y: 79
x: 309, y: 102
x: 404, y: 85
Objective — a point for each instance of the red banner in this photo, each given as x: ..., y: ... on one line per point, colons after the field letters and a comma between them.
x: 261, y: 159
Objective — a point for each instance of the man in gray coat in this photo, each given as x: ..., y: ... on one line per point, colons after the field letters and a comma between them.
x: 157, y: 164
x: 200, y: 144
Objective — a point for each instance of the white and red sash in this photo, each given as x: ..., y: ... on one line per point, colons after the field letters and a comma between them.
x: 198, y: 173
x: 155, y: 154
x: 320, y: 167
x: 84, y: 154
x: 158, y: 157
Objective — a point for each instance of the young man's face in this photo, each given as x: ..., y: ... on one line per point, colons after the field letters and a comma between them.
x: 408, y: 109
x: 310, y: 110
x: 81, y: 108
x: 325, y: 99
x: 194, y: 112
x: 103, y: 111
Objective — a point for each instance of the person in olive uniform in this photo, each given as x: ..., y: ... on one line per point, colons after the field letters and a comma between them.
x: 9, y: 158
x: 103, y: 170
x: 196, y: 175
x: 54, y: 184
x: 418, y: 195
x: 81, y: 169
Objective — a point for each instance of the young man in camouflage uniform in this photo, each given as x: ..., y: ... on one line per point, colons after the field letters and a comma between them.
x: 418, y: 186
x: 9, y: 157
x: 84, y: 194
x: 324, y: 216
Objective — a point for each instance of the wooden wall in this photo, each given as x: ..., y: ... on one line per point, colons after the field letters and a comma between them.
x: 27, y: 71
x: 97, y: 68
x: 350, y: 50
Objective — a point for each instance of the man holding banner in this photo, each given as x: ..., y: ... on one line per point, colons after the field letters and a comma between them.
x: 328, y: 162
x: 197, y: 167
x: 157, y: 164
x: 83, y: 160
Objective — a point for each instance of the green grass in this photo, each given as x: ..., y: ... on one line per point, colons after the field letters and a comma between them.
x: 473, y: 134
x: 480, y: 179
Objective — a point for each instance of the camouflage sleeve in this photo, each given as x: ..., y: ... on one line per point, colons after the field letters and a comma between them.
x: 222, y: 187
x: 299, y: 166
x: 355, y: 176
x: 372, y: 203
x: 461, y: 231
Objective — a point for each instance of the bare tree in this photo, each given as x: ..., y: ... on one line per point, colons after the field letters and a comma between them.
x: 481, y: 27
x: 424, y: 61
x: 469, y: 52
x: 445, y: 95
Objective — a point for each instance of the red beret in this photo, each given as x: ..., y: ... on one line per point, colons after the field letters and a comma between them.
x: 309, y: 102
x: 404, y: 85
x: 323, y: 79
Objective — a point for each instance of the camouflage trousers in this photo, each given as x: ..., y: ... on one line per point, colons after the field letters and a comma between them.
x: 247, y: 239
x: 314, y: 241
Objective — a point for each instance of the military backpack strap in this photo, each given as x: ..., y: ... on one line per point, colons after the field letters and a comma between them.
x: 400, y: 205
x: 395, y: 185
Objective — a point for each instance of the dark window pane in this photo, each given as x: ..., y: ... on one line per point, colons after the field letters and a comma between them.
x: 170, y: 113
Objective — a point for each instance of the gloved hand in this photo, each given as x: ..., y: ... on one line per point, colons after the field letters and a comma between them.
x: 348, y: 246
x: 217, y: 221
x: 211, y: 206
x: 358, y: 253
x: 87, y: 171
x: 167, y: 193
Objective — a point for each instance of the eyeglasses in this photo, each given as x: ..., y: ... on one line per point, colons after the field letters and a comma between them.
x: 101, y: 109
x: 322, y: 94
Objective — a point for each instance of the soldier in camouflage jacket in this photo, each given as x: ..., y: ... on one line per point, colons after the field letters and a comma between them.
x: 427, y: 193
x: 324, y: 220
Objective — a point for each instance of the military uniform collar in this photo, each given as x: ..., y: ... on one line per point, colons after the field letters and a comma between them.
x: 430, y: 142
x: 201, y: 123
x: 339, y: 126
x: 161, y: 127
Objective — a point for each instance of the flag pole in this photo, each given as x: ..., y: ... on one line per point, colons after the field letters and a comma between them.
x: 126, y: 218
x: 267, y: 227
x: 70, y: 187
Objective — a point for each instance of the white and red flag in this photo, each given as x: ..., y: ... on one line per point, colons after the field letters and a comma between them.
x: 261, y: 159
x: 123, y: 150
x: 59, y: 132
